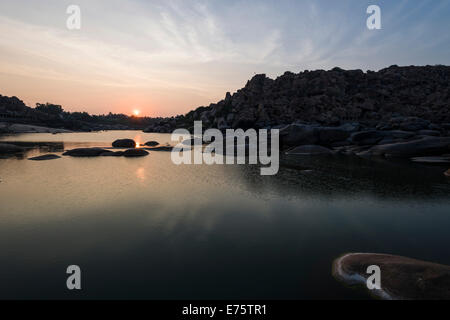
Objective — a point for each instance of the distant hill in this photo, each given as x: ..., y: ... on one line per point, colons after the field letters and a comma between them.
x: 14, y: 110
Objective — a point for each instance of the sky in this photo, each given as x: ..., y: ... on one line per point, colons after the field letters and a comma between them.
x: 168, y: 57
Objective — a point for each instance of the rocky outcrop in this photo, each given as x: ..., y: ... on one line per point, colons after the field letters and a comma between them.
x: 401, y: 277
x: 124, y: 143
x: 395, y: 98
x: 395, y: 112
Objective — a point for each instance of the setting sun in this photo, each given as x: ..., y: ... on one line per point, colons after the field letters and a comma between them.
x: 136, y: 112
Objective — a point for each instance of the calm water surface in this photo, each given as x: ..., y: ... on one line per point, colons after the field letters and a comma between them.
x: 147, y: 229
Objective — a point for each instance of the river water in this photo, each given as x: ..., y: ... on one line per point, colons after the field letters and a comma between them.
x: 144, y: 228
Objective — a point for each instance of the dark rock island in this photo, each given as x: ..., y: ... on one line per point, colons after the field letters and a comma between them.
x: 401, y: 277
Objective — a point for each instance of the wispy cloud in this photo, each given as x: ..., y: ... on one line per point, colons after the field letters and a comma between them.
x: 182, y: 53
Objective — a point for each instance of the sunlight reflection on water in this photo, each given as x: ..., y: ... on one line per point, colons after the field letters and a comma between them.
x: 168, y: 231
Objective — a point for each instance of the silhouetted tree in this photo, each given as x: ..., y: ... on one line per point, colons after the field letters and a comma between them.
x: 49, y: 108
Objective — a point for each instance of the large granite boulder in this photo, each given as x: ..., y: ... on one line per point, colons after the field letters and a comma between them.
x: 298, y: 134
x: 124, y: 143
x: 370, y: 137
x: 414, y: 124
x: 328, y: 135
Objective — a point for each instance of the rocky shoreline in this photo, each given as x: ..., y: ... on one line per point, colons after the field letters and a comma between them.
x: 15, y: 128
x: 397, y: 112
x: 349, y: 139
x: 377, y: 100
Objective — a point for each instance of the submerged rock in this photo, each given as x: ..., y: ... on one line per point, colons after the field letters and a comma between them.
x: 401, y: 277
x: 45, y: 157
x: 124, y: 143
x: 161, y: 148
x: 152, y: 143
x: 135, y: 153
x: 86, y: 152
x: 310, y: 150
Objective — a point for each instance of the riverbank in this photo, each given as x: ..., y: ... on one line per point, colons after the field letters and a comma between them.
x: 14, y: 128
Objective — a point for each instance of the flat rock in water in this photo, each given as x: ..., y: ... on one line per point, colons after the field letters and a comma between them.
x: 135, y: 153
x: 86, y: 152
x: 428, y: 146
x: 124, y: 143
x: 162, y: 148
x: 45, y: 157
x: 310, y: 150
x: 152, y: 143
x: 370, y: 137
x: 431, y: 159
x: 434, y: 133
x: 401, y: 277
x: 6, y: 148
